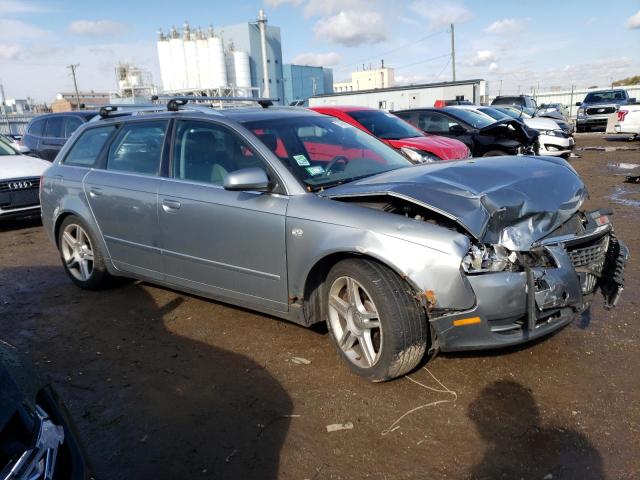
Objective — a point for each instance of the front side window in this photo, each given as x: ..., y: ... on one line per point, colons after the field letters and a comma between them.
x: 206, y: 152
x: 71, y: 124
x: 37, y: 127
x: 475, y: 119
x: 323, y: 151
x: 138, y: 148
x: 86, y: 150
x: 384, y: 125
x: 54, y: 128
x: 435, y: 122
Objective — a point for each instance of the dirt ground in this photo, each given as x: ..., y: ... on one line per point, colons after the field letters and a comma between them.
x: 165, y: 385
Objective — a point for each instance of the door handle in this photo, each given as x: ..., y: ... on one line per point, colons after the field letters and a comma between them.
x: 170, y: 206
x: 95, y: 192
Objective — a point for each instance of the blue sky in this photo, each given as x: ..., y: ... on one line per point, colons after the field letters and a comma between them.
x: 521, y: 43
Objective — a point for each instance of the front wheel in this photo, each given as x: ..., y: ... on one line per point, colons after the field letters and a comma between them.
x: 81, y: 255
x: 376, y: 325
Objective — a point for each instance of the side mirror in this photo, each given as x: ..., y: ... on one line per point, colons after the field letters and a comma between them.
x: 247, y: 179
x: 457, y: 129
x: 578, y: 104
x: 23, y: 149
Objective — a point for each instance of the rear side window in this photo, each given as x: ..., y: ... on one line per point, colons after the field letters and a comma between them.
x: 54, y: 128
x: 86, y: 150
x: 138, y: 148
x: 71, y: 124
x: 37, y: 127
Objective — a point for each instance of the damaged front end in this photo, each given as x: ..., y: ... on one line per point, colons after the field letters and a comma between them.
x: 521, y: 295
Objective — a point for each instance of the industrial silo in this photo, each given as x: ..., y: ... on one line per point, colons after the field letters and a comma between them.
x: 191, y: 58
x: 204, y: 63
x: 178, y: 63
x: 242, y: 71
x: 164, y: 58
x: 217, y: 62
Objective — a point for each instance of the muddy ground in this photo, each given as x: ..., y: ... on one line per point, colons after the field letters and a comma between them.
x: 165, y: 385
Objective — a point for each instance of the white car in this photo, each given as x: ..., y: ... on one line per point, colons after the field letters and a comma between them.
x: 19, y: 183
x: 552, y: 140
x: 627, y: 120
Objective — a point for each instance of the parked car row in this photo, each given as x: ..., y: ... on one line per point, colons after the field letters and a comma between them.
x: 310, y: 218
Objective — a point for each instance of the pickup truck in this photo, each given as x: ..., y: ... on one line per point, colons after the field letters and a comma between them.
x: 627, y: 121
x: 597, y: 106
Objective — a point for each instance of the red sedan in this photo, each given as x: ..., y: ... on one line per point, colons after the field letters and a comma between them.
x: 416, y: 145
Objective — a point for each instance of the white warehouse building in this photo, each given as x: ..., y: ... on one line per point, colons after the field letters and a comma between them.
x: 407, y: 96
x: 227, y: 61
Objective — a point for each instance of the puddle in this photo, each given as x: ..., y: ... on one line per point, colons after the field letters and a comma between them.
x: 607, y: 149
x: 621, y: 195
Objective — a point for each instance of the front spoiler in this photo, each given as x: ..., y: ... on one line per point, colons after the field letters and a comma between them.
x: 515, y: 308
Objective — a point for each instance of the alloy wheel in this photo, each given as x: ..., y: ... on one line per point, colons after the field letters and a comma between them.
x: 354, y: 321
x: 77, y: 252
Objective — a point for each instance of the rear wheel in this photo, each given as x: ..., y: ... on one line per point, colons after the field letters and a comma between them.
x: 376, y: 325
x: 81, y: 255
x: 495, y: 153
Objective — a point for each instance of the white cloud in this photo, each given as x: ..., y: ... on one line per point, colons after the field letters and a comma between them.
x: 493, y: 67
x: 634, y: 20
x: 96, y: 28
x: 279, y: 3
x: 318, y: 59
x: 9, y: 52
x: 441, y: 13
x: 352, y: 28
x: 507, y: 25
x: 21, y: 6
x: 12, y: 30
x: 329, y: 7
x: 482, y: 57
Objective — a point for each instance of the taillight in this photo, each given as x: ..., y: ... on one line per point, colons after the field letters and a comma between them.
x: 622, y: 114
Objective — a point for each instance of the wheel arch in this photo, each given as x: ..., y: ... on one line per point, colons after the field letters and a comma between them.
x: 313, y: 307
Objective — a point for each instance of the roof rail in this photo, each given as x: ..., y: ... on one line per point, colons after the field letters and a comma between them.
x: 174, y: 102
x: 131, y: 108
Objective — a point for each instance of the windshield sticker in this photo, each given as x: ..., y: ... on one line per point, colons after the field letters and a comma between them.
x: 301, y: 160
x: 313, y: 171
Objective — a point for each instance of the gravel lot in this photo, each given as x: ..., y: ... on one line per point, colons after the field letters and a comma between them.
x: 165, y: 385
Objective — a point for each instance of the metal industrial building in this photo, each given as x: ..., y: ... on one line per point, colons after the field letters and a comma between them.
x: 304, y: 81
x: 235, y: 60
x: 408, y: 96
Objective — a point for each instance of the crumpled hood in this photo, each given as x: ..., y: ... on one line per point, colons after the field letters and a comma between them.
x: 510, y: 200
x: 19, y: 382
x: 443, y: 147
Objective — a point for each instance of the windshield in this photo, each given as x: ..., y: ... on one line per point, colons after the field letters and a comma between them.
x: 609, y: 96
x: 6, y: 149
x: 495, y: 113
x: 507, y: 101
x: 323, y: 151
x: 475, y: 119
x: 385, y: 125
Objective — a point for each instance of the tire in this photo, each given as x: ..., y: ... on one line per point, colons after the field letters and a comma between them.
x: 399, y: 341
x: 495, y: 153
x: 86, y: 251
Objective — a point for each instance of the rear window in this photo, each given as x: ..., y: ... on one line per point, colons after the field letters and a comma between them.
x: 384, y: 125
x: 86, y: 150
x: 54, y: 128
x: 138, y: 148
x: 71, y: 124
x: 37, y: 127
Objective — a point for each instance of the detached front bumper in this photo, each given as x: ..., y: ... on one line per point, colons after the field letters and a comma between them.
x: 514, y: 308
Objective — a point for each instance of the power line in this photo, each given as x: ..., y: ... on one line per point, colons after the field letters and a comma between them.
x: 401, y: 47
x: 423, y: 61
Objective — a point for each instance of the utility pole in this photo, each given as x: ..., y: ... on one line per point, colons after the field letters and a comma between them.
x: 453, y: 53
x: 75, y: 83
x: 262, y: 25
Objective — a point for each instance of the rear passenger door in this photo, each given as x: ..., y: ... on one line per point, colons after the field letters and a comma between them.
x: 123, y: 197
x: 222, y: 243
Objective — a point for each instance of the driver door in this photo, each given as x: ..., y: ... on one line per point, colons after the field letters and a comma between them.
x: 221, y: 243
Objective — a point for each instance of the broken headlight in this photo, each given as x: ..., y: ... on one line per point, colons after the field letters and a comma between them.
x: 489, y: 258
x: 418, y: 156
